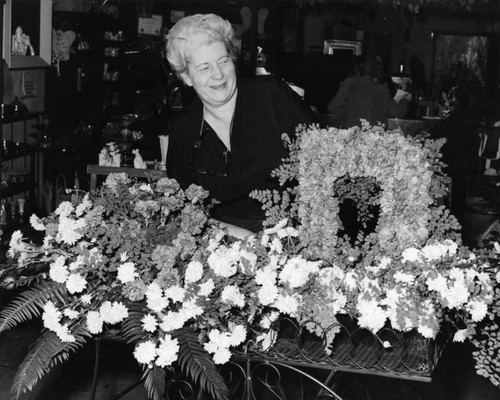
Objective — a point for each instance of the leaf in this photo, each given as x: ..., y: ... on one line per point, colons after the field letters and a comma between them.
x: 30, y: 302
x: 155, y: 382
x: 47, y: 351
x: 131, y: 329
x: 195, y: 362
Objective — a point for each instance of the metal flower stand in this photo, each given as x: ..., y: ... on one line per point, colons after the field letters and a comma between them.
x: 302, y: 358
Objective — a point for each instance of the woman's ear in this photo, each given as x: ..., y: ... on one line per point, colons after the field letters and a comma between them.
x: 186, y: 78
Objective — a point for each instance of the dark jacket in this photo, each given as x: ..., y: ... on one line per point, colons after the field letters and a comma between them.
x: 362, y: 97
x: 265, y: 108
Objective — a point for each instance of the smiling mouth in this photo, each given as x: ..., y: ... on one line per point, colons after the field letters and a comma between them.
x: 216, y: 87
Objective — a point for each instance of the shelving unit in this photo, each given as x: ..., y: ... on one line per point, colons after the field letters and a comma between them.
x: 18, y: 153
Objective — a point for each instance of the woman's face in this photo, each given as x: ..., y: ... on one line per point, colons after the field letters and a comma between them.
x: 211, y: 72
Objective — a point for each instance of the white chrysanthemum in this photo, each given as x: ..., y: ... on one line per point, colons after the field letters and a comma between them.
x: 266, y: 275
x: 51, y: 316
x: 146, y: 187
x: 123, y: 257
x: 238, y: 335
x: 167, y: 351
x: 497, y: 277
x: 457, y: 295
x: 206, y: 288
x: 461, y: 335
x: 276, y: 246
x: 411, y: 254
x: 126, y: 272
x: 266, y: 339
x: 224, y: 260
x: 351, y: 280
x: 268, y: 319
x: 477, y: 310
x: 176, y: 293
x: 64, y: 334
x: 297, y: 270
x: 94, y: 322
x: 112, y: 313
x: 16, y: 244
x: 75, y: 283
x: 190, y: 309
x: 267, y: 294
x: 86, y: 299
x: 172, y: 321
x: 371, y: 315
x: 434, y: 251
x: 36, y: 223
x: 71, y: 314
x: 83, y: 206
x: 155, y: 299
x: 287, y: 304
x: 145, y: 352
x: 70, y: 230
x: 149, y: 323
x: 222, y: 356
x: 58, y: 271
x: 439, y: 284
x: 218, y: 345
x: 194, y: 272
x: 64, y: 209
x: 404, y: 277
x: 231, y: 295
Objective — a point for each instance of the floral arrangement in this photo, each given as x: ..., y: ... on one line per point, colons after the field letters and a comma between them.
x: 142, y: 260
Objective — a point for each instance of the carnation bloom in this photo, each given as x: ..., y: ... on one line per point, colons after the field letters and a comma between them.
x: 194, y: 272
x: 149, y: 323
x: 167, y: 351
x: 145, y: 352
x: 75, y: 283
x: 231, y: 294
x: 36, y: 223
x: 94, y: 322
x: 113, y: 313
x: 126, y: 272
x: 58, y: 271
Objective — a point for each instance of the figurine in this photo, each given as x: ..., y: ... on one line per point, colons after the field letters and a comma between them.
x: 138, y: 161
x: 21, y: 43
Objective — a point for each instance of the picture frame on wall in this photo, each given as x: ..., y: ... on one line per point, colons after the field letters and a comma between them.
x: 27, y: 33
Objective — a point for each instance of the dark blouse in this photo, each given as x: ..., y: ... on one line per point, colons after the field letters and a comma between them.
x: 265, y: 108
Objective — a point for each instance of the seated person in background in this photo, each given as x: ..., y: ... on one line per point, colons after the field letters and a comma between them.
x: 228, y: 140
x: 365, y: 97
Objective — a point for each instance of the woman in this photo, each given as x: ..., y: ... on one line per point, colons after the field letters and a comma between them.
x: 228, y: 140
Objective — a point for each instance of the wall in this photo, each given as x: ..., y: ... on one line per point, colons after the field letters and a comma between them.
x: 13, y: 86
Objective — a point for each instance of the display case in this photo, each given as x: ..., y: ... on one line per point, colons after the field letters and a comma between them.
x: 27, y: 33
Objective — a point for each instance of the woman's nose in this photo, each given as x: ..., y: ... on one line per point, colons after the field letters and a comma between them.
x: 217, y: 73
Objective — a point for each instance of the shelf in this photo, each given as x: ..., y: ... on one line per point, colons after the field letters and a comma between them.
x: 24, y: 153
x: 15, y: 188
x: 7, y: 119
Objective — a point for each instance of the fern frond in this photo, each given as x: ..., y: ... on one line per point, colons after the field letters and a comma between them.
x: 47, y: 351
x: 131, y: 328
x: 196, y: 363
x: 154, y: 382
x: 30, y: 302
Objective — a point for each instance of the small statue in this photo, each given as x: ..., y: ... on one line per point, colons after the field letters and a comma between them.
x: 21, y: 43
x: 138, y: 161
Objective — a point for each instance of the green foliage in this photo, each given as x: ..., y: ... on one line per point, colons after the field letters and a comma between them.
x: 29, y: 303
x: 154, y: 382
x: 195, y: 362
x: 47, y: 351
